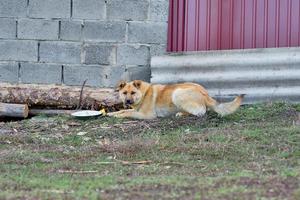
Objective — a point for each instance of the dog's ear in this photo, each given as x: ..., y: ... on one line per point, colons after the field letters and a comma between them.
x: 120, y: 85
x: 137, y: 84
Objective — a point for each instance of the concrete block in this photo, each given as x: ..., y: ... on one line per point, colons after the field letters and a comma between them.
x: 60, y: 52
x: 77, y: 74
x: 9, y: 72
x: 8, y: 28
x: 70, y: 30
x: 49, y: 8
x: 89, y: 9
x: 13, y: 8
x: 18, y: 50
x: 112, y: 75
x: 99, y: 54
x: 38, y: 29
x: 159, y: 10
x: 96, y: 75
x: 41, y: 73
x: 113, y: 31
x: 158, y: 49
x: 127, y: 9
x: 138, y: 73
x: 133, y: 55
x: 147, y: 32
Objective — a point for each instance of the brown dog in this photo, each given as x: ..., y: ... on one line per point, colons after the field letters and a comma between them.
x: 150, y: 101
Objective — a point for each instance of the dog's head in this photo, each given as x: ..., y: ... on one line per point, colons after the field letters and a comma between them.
x: 131, y: 93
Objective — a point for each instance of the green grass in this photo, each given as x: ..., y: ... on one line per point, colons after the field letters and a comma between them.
x: 252, y: 154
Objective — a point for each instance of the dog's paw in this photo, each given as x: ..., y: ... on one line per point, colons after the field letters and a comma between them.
x: 115, y: 114
x: 181, y: 114
x: 118, y: 116
x: 112, y: 114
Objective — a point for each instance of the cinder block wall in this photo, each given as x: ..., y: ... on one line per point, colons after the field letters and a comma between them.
x: 68, y: 41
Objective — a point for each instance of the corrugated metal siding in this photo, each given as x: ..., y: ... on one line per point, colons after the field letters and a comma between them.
x: 262, y: 74
x: 196, y: 25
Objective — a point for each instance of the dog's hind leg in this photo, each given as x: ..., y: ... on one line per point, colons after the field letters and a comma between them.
x: 193, y: 108
x: 190, y: 102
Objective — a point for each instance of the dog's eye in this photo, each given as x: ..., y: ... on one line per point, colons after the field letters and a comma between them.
x: 125, y: 93
x: 132, y: 93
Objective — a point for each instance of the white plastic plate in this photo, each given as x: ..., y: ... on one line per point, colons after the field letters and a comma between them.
x: 87, y: 113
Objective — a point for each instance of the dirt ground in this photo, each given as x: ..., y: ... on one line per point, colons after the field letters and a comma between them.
x: 252, y: 154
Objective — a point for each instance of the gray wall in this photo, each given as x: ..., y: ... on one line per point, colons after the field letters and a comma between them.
x: 68, y: 41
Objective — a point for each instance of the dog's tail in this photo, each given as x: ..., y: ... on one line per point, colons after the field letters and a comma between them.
x: 225, y: 108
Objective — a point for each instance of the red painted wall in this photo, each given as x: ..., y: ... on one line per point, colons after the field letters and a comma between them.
x: 196, y: 25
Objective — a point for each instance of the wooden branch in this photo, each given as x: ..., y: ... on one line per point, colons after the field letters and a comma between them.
x: 79, y: 106
x: 76, y: 172
x: 53, y: 96
x: 13, y: 110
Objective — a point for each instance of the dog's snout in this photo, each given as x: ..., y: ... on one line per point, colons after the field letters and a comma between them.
x: 129, y: 101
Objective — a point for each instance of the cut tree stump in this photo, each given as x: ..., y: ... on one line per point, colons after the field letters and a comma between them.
x: 13, y: 110
x: 53, y: 96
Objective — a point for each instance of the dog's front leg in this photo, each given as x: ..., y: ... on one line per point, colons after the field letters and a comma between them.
x: 117, y: 113
x: 131, y: 114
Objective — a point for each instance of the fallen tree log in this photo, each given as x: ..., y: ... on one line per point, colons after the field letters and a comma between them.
x: 13, y: 110
x: 53, y: 96
x: 50, y: 112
